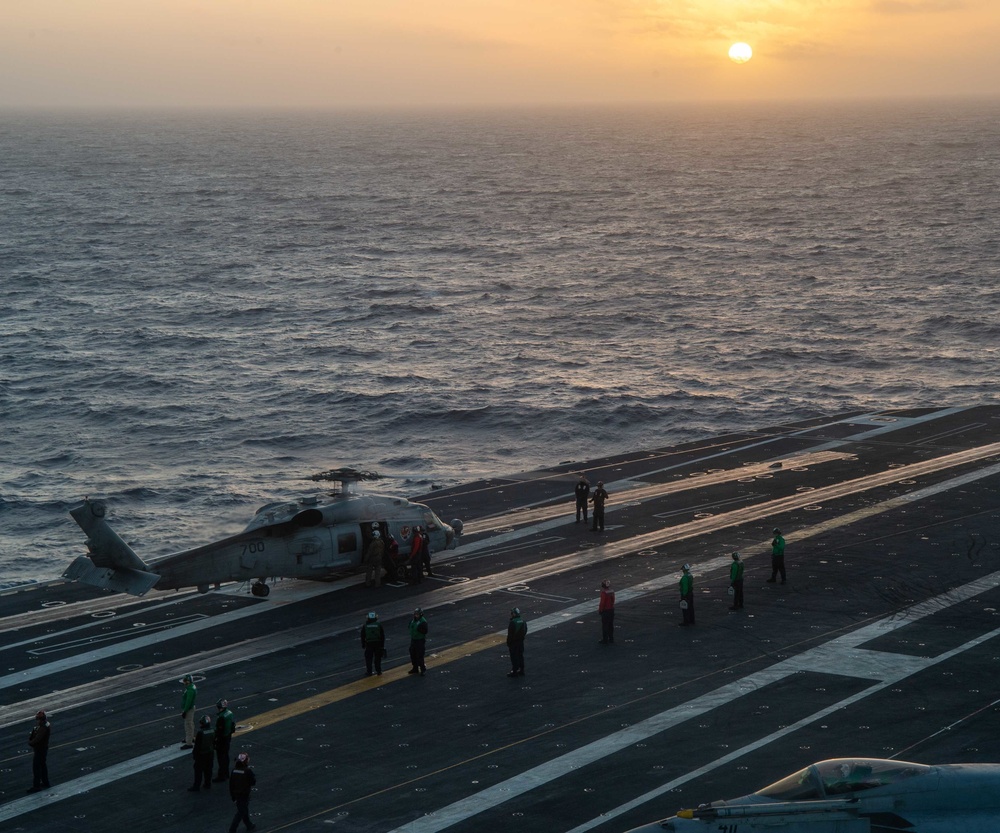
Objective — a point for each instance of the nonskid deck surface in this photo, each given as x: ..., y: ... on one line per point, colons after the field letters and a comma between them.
x: 886, y: 632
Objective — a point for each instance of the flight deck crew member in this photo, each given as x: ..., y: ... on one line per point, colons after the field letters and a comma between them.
x: 373, y: 641
x: 600, y: 495
x: 203, y: 752
x: 38, y: 740
x: 425, y: 552
x: 415, y: 566
x: 687, y: 596
x: 373, y: 560
x: 225, y: 725
x: 187, y: 710
x: 517, y: 628
x: 241, y: 781
x: 777, y: 557
x: 606, y: 608
x: 582, y: 491
x: 418, y: 642
x: 736, y: 582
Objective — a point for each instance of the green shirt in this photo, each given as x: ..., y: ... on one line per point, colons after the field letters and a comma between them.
x: 687, y: 584
x: 778, y: 546
x: 736, y: 571
x: 225, y: 724
x: 187, y: 699
x: 418, y: 628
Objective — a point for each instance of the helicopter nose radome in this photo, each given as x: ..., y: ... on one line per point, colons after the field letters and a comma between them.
x: 451, y: 533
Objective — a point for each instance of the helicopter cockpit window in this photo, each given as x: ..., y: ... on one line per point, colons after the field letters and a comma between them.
x: 431, y: 521
x: 801, y: 786
x: 846, y: 775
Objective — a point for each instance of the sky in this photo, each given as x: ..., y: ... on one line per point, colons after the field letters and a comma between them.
x: 377, y: 53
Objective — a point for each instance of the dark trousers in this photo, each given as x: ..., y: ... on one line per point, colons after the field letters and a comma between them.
x: 242, y: 813
x: 778, y: 566
x: 581, y: 506
x: 222, y: 756
x: 608, y: 625
x: 40, y: 769
x: 688, y: 612
x: 417, y: 654
x: 598, y: 517
x: 517, y: 657
x: 738, y: 594
x: 373, y: 654
x: 203, y: 769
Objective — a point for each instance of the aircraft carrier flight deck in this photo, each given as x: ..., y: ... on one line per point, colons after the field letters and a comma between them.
x: 884, y: 642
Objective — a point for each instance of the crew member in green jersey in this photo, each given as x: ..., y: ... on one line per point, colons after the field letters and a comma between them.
x: 736, y: 581
x: 687, y: 596
x: 418, y: 642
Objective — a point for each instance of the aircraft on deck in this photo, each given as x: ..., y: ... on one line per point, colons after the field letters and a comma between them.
x: 312, y: 538
x: 857, y: 795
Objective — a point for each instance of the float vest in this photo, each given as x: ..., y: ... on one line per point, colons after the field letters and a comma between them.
x: 415, y: 632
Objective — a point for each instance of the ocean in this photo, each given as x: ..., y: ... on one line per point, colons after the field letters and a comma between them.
x: 199, y: 310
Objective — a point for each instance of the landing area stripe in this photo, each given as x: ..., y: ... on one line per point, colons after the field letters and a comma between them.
x: 838, y: 657
x: 851, y: 640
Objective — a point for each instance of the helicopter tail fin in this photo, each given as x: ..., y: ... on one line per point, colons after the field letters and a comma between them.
x: 112, y: 564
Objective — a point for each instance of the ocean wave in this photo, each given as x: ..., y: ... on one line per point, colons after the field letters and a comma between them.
x: 450, y: 299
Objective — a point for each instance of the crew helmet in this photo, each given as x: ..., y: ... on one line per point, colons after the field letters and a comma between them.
x: 40, y: 716
x: 736, y: 555
x: 605, y: 584
x: 776, y: 531
x: 206, y: 721
x: 686, y: 568
x: 372, y: 616
x: 418, y: 612
x: 515, y: 611
x: 222, y: 704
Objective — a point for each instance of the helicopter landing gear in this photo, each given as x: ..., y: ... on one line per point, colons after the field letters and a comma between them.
x: 259, y: 588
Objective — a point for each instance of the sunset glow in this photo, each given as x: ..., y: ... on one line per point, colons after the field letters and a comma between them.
x: 358, y: 53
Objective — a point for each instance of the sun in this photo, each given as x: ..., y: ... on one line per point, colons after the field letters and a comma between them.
x: 740, y: 53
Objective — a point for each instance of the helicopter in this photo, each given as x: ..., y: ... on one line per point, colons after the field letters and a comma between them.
x: 856, y: 795
x: 314, y: 537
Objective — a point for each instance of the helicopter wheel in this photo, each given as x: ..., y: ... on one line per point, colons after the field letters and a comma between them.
x: 258, y: 588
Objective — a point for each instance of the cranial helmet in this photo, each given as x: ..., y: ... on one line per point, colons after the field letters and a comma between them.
x: 372, y: 617
x: 376, y: 534
x: 221, y: 704
x: 206, y: 721
x: 40, y: 716
x: 777, y: 531
x: 686, y: 568
x: 418, y: 612
x: 243, y: 758
x: 605, y: 583
x: 515, y: 611
x: 736, y: 556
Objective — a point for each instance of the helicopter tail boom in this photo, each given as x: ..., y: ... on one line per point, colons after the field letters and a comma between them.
x: 112, y: 564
